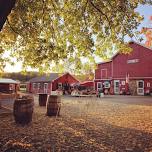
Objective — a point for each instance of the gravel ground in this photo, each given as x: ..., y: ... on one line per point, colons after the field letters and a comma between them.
x: 85, y: 125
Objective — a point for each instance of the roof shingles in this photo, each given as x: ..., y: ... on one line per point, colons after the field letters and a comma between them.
x: 45, y: 78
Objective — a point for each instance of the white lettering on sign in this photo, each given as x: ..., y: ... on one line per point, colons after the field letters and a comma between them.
x: 133, y: 61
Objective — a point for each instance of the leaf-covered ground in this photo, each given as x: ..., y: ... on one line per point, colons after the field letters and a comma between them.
x: 85, y: 125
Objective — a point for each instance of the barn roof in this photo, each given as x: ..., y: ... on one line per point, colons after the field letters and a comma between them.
x: 8, y: 81
x: 118, y: 52
x: 50, y: 77
x: 131, y: 42
x: 44, y: 78
x: 74, y: 77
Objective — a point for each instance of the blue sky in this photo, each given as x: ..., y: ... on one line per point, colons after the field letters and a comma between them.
x: 145, y: 10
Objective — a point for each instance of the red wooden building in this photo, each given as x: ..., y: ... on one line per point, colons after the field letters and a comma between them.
x: 8, y: 89
x: 8, y: 86
x: 124, y: 74
x: 51, y: 82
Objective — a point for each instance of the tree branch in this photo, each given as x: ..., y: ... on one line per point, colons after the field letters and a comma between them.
x: 12, y: 27
x: 83, y: 13
x: 100, y: 11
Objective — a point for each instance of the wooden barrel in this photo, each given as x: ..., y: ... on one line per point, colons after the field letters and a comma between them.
x: 42, y: 99
x: 53, y: 105
x: 23, y: 110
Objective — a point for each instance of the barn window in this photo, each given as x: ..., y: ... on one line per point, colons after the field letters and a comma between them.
x: 59, y: 85
x: 23, y: 87
x: 123, y: 82
x: 148, y: 84
x: 140, y: 84
x: 39, y: 85
x: 99, y: 85
x: 106, y: 84
x: 45, y: 85
x: 34, y: 85
x: 103, y: 73
x: 11, y: 87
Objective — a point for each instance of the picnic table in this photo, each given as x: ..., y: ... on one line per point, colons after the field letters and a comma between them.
x: 85, y: 95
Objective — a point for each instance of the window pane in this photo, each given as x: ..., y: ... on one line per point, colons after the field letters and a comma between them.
x: 148, y: 84
x: 140, y: 84
x: 117, y: 84
x: 99, y: 85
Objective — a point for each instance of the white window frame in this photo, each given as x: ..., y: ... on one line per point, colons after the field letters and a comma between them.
x: 123, y: 82
x: 11, y: 87
x: 23, y: 87
x: 33, y: 85
x: 60, y: 85
x: 116, y: 88
x: 45, y: 85
x: 102, y: 72
x: 106, y: 84
x: 139, y: 89
x: 98, y: 85
x: 38, y: 86
x: 148, y: 84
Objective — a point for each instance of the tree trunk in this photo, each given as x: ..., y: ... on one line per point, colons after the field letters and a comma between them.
x: 5, y: 8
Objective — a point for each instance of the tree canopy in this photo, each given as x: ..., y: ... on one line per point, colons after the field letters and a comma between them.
x: 65, y: 32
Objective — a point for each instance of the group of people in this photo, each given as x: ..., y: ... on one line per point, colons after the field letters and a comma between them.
x: 103, y: 91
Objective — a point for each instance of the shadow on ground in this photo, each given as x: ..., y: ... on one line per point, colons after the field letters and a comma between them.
x: 66, y: 134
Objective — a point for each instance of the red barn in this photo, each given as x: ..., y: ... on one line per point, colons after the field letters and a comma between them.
x: 52, y: 82
x: 126, y: 74
x: 8, y: 86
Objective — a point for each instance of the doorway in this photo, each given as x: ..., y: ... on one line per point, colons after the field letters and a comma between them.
x: 140, y: 87
x: 99, y: 86
x: 116, y: 87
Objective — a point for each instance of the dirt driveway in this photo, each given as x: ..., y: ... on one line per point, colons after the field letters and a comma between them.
x: 110, y: 124
x: 139, y: 100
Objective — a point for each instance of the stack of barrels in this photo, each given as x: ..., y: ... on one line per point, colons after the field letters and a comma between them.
x: 24, y: 106
x: 52, y: 103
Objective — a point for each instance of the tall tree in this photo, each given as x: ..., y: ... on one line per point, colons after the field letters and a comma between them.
x: 40, y: 33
